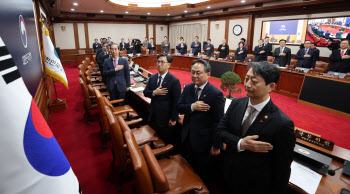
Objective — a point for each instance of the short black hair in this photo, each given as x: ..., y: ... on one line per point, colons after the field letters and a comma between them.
x: 261, y: 40
x: 109, y: 37
x: 169, y: 58
x: 181, y: 38
x: 207, y: 66
x: 266, y: 37
x: 313, y: 43
x: 116, y: 45
x: 196, y: 37
x: 243, y: 39
x: 345, y: 40
x: 268, y: 71
x: 151, y: 38
x: 209, y: 39
x: 307, y: 41
x: 109, y: 44
x: 122, y: 38
x: 165, y: 37
x: 240, y: 43
x: 283, y: 40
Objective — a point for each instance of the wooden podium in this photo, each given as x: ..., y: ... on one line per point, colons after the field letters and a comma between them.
x: 56, y: 106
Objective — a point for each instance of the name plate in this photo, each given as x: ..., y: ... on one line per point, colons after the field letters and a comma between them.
x: 323, y: 143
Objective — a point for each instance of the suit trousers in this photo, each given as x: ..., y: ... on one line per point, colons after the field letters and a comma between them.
x: 115, y: 94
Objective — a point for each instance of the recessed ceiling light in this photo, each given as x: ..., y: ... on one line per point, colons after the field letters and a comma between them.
x: 168, y: 14
x: 75, y: 4
x: 101, y: 11
x: 148, y: 13
x: 126, y: 12
x: 243, y: 1
x: 208, y: 7
x: 185, y: 11
x: 72, y: 9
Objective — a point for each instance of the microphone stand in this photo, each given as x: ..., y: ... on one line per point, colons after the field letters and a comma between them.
x: 336, y: 188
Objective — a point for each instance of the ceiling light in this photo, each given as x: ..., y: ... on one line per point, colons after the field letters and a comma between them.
x: 126, y: 12
x: 185, y: 11
x: 75, y: 4
x: 208, y: 7
x: 101, y: 11
x: 168, y: 14
x: 72, y: 9
x: 243, y: 1
x: 148, y: 13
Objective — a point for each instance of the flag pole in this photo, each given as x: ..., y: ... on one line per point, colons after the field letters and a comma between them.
x: 57, y: 100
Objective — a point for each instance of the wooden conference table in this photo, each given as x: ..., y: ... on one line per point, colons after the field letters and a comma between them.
x: 339, y: 154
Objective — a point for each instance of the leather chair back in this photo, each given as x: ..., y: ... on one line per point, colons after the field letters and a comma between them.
x: 143, y: 180
x: 85, y: 63
x: 250, y: 58
x: 118, y: 142
x: 160, y: 182
x: 270, y: 59
x: 88, y: 73
x: 231, y: 58
x: 123, y: 125
x: 293, y: 63
x: 107, y: 103
x: 88, y: 102
x: 87, y: 59
x: 102, y: 112
x: 82, y: 75
x: 123, y: 53
x: 321, y: 67
x: 81, y: 51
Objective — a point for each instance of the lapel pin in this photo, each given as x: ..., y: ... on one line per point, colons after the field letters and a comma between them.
x: 266, y: 117
x: 261, y: 121
x: 201, y: 97
x: 204, y: 96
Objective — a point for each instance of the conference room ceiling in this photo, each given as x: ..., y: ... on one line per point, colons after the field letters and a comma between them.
x: 95, y: 7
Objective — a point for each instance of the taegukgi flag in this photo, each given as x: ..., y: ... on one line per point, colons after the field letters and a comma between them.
x: 31, y: 161
x: 53, y: 65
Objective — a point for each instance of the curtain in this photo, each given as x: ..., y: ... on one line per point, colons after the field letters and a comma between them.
x: 188, y: 31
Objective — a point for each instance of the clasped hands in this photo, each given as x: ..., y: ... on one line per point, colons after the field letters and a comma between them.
x: 249, y: 143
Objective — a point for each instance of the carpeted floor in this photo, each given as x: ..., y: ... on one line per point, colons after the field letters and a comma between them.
x: 82, y: 145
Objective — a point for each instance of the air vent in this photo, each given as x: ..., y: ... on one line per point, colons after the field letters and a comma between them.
x: 259, y: 5
x: 91, y: 15
x: 143, y: 17
x: 225, y: 9
x: 201, y: 13
x: 119, y: 16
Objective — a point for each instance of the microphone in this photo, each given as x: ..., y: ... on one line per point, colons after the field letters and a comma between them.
x: 332, y: 172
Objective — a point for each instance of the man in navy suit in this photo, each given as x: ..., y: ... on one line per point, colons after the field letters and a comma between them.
x: 118, y: 75
x: 196, y: 46
x: 130, y: 47
x: 282, y: 54
x: 259, y: 137
x: 209, y: 48
x: 164, y: 89
x: 151, y: 45
x: 340, y: 59
x: 182, y: 47
x: 203, y: 106
x: 122, y: 44
x: 305, y: 56
x: 327, y: 34
x: 96, y: 45
x: 259, y: 51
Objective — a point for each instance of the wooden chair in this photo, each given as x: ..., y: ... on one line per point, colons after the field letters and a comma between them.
x: 321, y: 67
x: 250, y: 58
x: 89, y: 101
x: 93, y: 78
x: 81, y: 51
x: 123, y: 53
x: 293, y: 63
x: 270, y: 59
x: 168, y: 175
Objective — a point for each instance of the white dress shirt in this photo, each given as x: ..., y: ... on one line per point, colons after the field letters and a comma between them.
x: 258, y: 108
x: 199, y: 93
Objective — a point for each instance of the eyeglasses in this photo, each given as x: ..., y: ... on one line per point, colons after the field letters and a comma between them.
x: 161, y: 62
x: 196, y: 73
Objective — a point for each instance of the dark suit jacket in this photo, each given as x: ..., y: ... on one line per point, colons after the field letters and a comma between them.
x: 241, y: 57
x: 268, y: 172
x: 338, y: 64
x: 96, y: 46
x: 182, y: 50
x: 99, y: 58
x: 223, y: 52
x: 210, y: 51
x: 316, y: 54
x: 200, y: 126
x: 129, y: 49
x: 259, y: 56
x: 122, y: 46
x: 282, y: 60
x: 121, y: 77
x: 348, y: 36
x: 163, y: 108
x: 307, y: 62
x: 151, y: 48
x: 97, y: 53
x: 268, y: 49
x: 196, y: 50
x: 165, y: 48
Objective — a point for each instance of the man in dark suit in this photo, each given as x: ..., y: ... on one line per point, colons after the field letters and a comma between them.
x: 182, y: 47
x: 164, y: 89
x: 327, y: 34
x: 339, y: 34
x: 98, y: 51
x: 122, y: 44
x: 256, y: 137
x: 96, y: 45
x: 267, y: 46
x: 208, y: 48
x: 315, y: 53
x: 348, y: 36
x: 282, y: 54
x: 223, y: 49
x: 259, y: 52
x: 165, y: 45
x: 151, y: 46
x: 340, y: 59
x: 103, y: 58
x: 130, y: 47
x: 118, y: 75
x: 305, y: 56
x: 103, y: 53
x: 203, y: 106
x: 196, y: 46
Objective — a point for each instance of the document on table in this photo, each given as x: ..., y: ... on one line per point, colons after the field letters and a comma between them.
x: 137, y: 89
x: 304, y: 178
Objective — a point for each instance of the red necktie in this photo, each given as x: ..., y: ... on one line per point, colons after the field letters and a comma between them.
x: 342, y: 53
